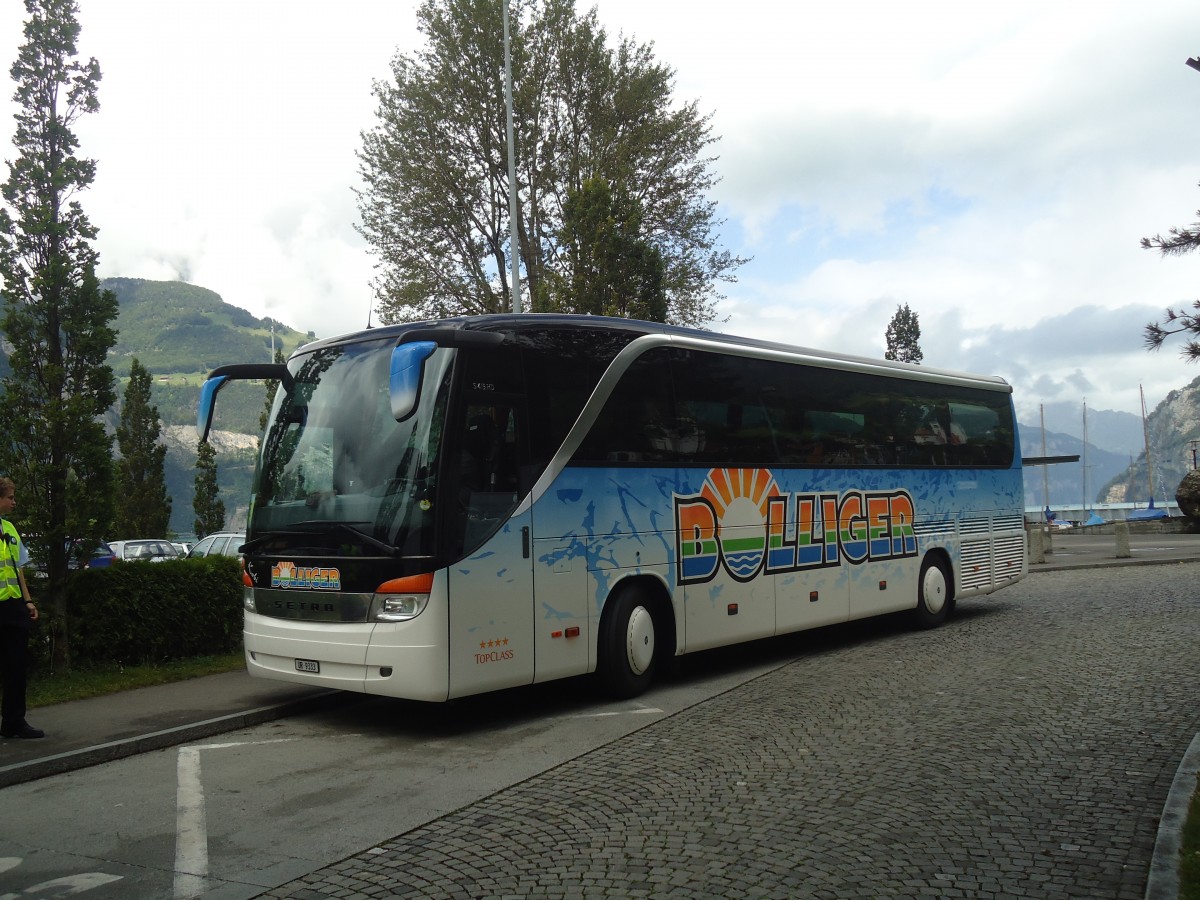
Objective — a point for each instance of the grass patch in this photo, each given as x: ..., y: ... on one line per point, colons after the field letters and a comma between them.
x: 1189, y: 852
x: 46, y: 689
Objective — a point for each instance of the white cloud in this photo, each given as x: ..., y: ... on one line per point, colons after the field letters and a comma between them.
x: 993, y: 167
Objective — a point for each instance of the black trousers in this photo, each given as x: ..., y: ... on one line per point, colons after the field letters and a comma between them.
x: 14, y: 663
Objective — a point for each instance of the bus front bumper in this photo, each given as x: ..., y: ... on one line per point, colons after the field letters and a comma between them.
x: 402, y: 660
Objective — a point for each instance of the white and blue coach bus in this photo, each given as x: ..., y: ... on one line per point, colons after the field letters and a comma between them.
x: 452, y: 507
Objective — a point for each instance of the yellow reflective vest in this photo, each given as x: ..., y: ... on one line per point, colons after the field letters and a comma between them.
x: 10, y: 554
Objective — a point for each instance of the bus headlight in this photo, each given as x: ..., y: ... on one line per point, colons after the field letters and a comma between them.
x: 402, y: 599
x: 248, y: 599
x: 399, y: 607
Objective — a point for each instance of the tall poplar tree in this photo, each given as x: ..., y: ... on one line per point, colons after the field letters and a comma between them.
x: 435, y: 204
x: 271, y: 386
x: 209, y: 508
x: 55, y: 316
x: 143, y: 504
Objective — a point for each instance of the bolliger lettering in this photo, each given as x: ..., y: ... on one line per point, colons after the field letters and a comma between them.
x: 822, y: 530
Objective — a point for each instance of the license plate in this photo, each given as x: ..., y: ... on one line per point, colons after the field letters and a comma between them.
x: 308, y: 665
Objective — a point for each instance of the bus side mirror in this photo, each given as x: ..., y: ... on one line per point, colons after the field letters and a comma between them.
x: 404, y: 384
x: 208, y: 399
x: 222, y: 375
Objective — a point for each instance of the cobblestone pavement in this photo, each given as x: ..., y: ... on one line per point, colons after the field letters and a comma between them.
x: 1023, y: 750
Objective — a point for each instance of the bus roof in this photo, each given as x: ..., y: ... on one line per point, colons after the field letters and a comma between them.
x: 538, y: 321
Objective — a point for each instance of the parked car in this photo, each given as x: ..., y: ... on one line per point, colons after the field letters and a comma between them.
x: 144, y: 550
x: 102, y: 556
x: 219, y: 543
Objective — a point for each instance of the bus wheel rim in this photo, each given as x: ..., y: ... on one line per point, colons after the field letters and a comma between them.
x: 640, y: 640
x: 933, y: 589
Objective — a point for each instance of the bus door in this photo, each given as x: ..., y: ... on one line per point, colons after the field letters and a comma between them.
x: 491, y: 586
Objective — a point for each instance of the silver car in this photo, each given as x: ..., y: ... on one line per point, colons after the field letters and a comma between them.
x: 219, y: 543
x: 144, y: 550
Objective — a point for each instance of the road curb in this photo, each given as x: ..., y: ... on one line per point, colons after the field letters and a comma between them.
x: 1163, y: 880
x: 1042, y: 568
x: 19, y: 773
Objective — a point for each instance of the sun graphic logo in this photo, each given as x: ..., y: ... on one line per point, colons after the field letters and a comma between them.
x: 282, y: 573
x: 725, y: 521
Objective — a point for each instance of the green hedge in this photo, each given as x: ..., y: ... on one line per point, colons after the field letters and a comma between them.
x: 137, y: 613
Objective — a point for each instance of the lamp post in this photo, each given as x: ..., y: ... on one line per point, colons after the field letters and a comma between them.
x: 514, y: 247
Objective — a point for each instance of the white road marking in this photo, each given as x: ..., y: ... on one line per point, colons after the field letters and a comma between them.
x: 621, y: 712
x: 66, y: 886
x: 191, y: 826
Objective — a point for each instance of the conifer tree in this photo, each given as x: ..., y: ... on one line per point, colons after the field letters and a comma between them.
x: 904, y: 337
x: 613, y: 270
x: 56, y: 318
x: 209, y: 508
x: 1176, y: 321
x: 143, y: 504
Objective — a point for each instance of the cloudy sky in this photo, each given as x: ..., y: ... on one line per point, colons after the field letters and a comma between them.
x: 993, y: 166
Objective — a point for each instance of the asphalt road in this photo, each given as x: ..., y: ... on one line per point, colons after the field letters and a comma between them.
x: 1024, y: 750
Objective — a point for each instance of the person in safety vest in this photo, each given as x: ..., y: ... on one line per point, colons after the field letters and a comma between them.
x: 17, y: 613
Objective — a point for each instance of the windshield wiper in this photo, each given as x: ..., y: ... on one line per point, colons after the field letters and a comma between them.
x: 313, y: 525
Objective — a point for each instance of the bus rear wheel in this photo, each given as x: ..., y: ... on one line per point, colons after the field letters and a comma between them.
x: 627, y: 646
x: 934, y: 594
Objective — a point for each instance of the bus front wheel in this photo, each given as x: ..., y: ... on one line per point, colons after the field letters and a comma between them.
x: 626, y: 663
x: 934, y: 593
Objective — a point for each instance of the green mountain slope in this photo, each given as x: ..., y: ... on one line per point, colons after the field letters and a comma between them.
x: 173, y: 327
x: 181, y: 332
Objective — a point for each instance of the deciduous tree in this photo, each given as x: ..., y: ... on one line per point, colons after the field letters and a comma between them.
x: 904, y: 337
x: 56, y: 318
x: 143, y: 504
x: 435, y: 204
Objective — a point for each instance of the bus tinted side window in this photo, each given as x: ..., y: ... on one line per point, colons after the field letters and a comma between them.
x: 716, y: 409
x: 562, y: 368
x: 682, y: 407
x: 638, y: 423
x: 739, y: 406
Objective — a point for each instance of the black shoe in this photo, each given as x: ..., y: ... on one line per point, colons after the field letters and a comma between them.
x: 24, y: 730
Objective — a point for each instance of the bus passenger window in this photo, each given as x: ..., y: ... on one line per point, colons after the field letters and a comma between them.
x: 638, y: 422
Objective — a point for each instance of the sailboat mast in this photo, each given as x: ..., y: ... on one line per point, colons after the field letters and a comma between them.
x: 1045, y: 475
x: 1084, y: 513
x: 1146, y: 438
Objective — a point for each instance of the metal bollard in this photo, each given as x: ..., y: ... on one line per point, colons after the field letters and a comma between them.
x: 1121, y: 530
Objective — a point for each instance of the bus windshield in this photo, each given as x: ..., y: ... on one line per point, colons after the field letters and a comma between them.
x: 335, y: 454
